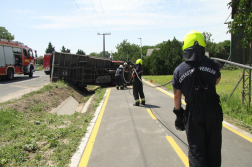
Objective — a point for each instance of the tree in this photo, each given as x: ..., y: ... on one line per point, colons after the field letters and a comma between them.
x: 125, y: 48
x: 68, y: 50
x: 107, y: 54
x: 242, y: 23
x: 65, y: 50
x: 226, y: 45
x: 165, y: 60
x: 4, y: 34
x: 39, y: 61
x: 223, y: 49
x: 94, y: 54
x: 50, y: 48
x: 207, y: 37
x: 80, y: 52
x: 211, y: 47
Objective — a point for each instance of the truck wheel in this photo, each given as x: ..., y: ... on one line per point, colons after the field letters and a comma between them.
x: 31, y: 72
x: 10, y: 74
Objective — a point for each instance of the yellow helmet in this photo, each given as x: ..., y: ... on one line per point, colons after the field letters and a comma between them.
x: 139, y: 61
x: 190, y: 39
x: 194, y: 46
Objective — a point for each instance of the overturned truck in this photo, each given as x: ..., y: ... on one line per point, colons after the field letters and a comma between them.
x: 84, y: 70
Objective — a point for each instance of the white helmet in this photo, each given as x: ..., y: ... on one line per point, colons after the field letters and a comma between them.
x: 121, y: 66
x: 125, y: 63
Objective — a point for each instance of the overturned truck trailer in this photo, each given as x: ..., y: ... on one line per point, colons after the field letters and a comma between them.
x: 83, y: 70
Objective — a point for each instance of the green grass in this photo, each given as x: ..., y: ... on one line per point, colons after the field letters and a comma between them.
x: 39, y: 138
x: 40, y: 68
x: 234, y: 109
x: 229, y: 79
x: 99, y: 95
x: 231, y: 106
x: 161, y: 79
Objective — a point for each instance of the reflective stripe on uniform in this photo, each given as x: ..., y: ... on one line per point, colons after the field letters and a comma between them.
x: 137, y: 100
x: 143, y: 99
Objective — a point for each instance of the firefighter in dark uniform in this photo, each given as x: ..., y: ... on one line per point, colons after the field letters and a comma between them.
x: 126, y: 74
x: 196, y: 79
x: 137, y: 84
x: 118, y: 77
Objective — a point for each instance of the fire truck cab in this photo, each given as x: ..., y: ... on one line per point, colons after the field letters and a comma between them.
x: 15, y: 58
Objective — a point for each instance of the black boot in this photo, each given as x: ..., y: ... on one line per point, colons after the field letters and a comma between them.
x: 136, y: 104
x: 143, y: 102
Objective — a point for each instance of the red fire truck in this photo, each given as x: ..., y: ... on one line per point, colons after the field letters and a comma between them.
x: 46, y: 63
x: 15, y: 58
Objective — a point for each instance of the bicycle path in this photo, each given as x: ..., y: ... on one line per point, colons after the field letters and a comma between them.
x: 130, y: 136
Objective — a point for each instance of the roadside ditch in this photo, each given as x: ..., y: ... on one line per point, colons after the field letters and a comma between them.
x: 33, y: 134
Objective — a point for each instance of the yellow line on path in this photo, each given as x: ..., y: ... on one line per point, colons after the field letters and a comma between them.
x: 151, y: 114
x: 226, y: 126
x: 180, y: 153
x: 89, y: 147
x: 238, y: 133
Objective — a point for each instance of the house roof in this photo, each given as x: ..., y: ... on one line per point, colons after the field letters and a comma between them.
x: 149, y: 51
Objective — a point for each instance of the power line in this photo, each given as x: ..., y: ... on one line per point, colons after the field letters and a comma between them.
x: 219, y: 35
x: 104, y: 16
x: 227, y: 18
x: 85, y: 16
x: 97, y: 15
x: 106, y: 23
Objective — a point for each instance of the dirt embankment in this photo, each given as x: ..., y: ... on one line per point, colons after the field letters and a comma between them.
x: 48, y: 100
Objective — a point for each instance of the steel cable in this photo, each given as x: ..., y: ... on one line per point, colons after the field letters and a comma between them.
x: 149, y: 85
x: 169, y: 129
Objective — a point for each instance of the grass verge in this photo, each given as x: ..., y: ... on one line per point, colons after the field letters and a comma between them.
x: 40, y: 68
x: 38, y: 138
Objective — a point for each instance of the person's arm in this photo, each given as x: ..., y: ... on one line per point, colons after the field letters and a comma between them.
x: 133, y: 76
x: 133, y: 71
x: 218, y: 80
x: 177, y: 98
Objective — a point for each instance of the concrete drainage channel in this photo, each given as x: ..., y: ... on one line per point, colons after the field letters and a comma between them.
x: 70, y: 105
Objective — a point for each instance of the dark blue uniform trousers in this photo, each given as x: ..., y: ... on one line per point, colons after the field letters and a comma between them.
x: 203, y: 125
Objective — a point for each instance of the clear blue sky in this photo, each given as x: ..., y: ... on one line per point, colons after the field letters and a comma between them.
x: 75, y: 23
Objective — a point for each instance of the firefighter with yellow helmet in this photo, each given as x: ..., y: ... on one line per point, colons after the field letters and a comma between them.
x: 196, y: 78
x: 137, y: 83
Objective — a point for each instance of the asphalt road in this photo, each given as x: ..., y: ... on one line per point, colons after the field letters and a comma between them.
x: 125, y: 135
x: 22, y: 84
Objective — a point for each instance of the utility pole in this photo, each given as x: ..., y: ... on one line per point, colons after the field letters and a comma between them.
x: 111, y: 56
x: 141, y: 50
x: 104, y: 41
x: 141, y: 46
